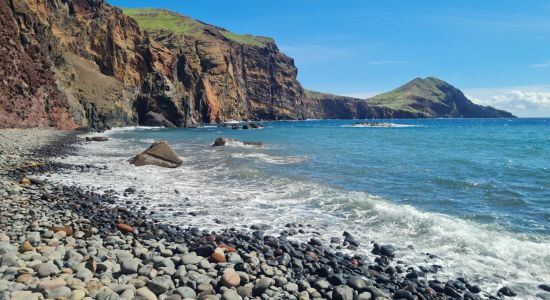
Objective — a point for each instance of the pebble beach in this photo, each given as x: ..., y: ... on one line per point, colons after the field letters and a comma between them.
x: 66, y: 242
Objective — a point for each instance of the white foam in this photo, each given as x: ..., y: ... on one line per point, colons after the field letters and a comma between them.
x: 381, y: 125
x: 216, y: 184
x: 271, y: 159
x: 236, y: 143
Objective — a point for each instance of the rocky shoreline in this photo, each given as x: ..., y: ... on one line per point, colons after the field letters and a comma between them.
x: 64, y: 242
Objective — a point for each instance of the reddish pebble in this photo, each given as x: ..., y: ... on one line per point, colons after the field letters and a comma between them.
x: 67, y: 230
x: 227, y: 248
x: 125, y: 228
x: 218, y: 257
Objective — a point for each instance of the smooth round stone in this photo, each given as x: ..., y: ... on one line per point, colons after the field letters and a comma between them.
x: 47, y: 269
x: 230, y: 278
x: 78, y: 295
x: 321, y: 284
x: 204, y: 264
x: 231, y: 295
x: 129, y: 266
x: 51, y: 284
x: 84, y: 274
x: 267, y: 270
x: 262, y: 285
x: 159, y: 285
x: 128, y: 294
x: 25, y: 295
x: 342, y: 292
x: 60, y: 292
x: 291, y: 287
x: 24, y: 279
x: 234, y: 257
x: 364, y: 296
x: 357, y: 283
x: 146, y: 293
x: 191, y: 259
x: 186, y: 292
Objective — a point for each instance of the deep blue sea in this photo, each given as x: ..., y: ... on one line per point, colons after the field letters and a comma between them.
x: 475, y: 192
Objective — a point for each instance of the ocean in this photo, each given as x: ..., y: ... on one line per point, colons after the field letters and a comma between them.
x: 472, y: 195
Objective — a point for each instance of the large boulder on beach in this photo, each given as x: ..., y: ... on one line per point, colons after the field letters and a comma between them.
x: 158, y: 154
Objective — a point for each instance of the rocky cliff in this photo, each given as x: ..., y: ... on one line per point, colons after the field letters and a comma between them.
x: 84, y: 63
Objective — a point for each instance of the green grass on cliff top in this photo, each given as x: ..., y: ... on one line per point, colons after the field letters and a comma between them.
x: 405, y: 96
x: 155, y: 20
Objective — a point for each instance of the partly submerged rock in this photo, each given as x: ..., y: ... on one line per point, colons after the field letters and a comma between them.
x: 158, y: 154
x: 97, y: 139
x: 223, y: 141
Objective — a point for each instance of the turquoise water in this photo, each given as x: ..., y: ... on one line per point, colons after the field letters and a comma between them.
x: 489, y: 171
x: 476, y: 193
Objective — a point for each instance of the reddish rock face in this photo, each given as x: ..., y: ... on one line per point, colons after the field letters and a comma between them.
x: 28, y: 93
x: 83, y: 63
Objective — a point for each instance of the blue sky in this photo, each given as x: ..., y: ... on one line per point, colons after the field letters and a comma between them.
x: 496, y: 51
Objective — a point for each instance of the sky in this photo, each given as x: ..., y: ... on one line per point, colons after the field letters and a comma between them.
x: 496, y: 51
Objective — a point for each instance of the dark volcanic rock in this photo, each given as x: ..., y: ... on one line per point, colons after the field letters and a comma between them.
x: 158, y: 154
x: 156, y: 119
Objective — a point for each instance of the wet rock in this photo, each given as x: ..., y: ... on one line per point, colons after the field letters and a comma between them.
x: 507, y: 291
x: 158, y: 154
x: 97, y: 139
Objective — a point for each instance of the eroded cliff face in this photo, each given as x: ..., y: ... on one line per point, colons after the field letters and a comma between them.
x: 90, y: 61
x: 84, y: 63
x: 221, y: 80
x: 28, y: 93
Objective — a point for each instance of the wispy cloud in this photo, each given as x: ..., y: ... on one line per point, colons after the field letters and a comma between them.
x: 542, y: 65
x: 528, y: 101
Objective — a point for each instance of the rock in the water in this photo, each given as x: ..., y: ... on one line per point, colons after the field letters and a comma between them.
x: 507, y: 291
x: 158, y: 154
x: 545, y: 287
x: 220, y: 142
x: 97, y: 139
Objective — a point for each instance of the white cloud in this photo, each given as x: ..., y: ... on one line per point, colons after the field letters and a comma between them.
x: 543, y: 65
x: 528, y: 101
